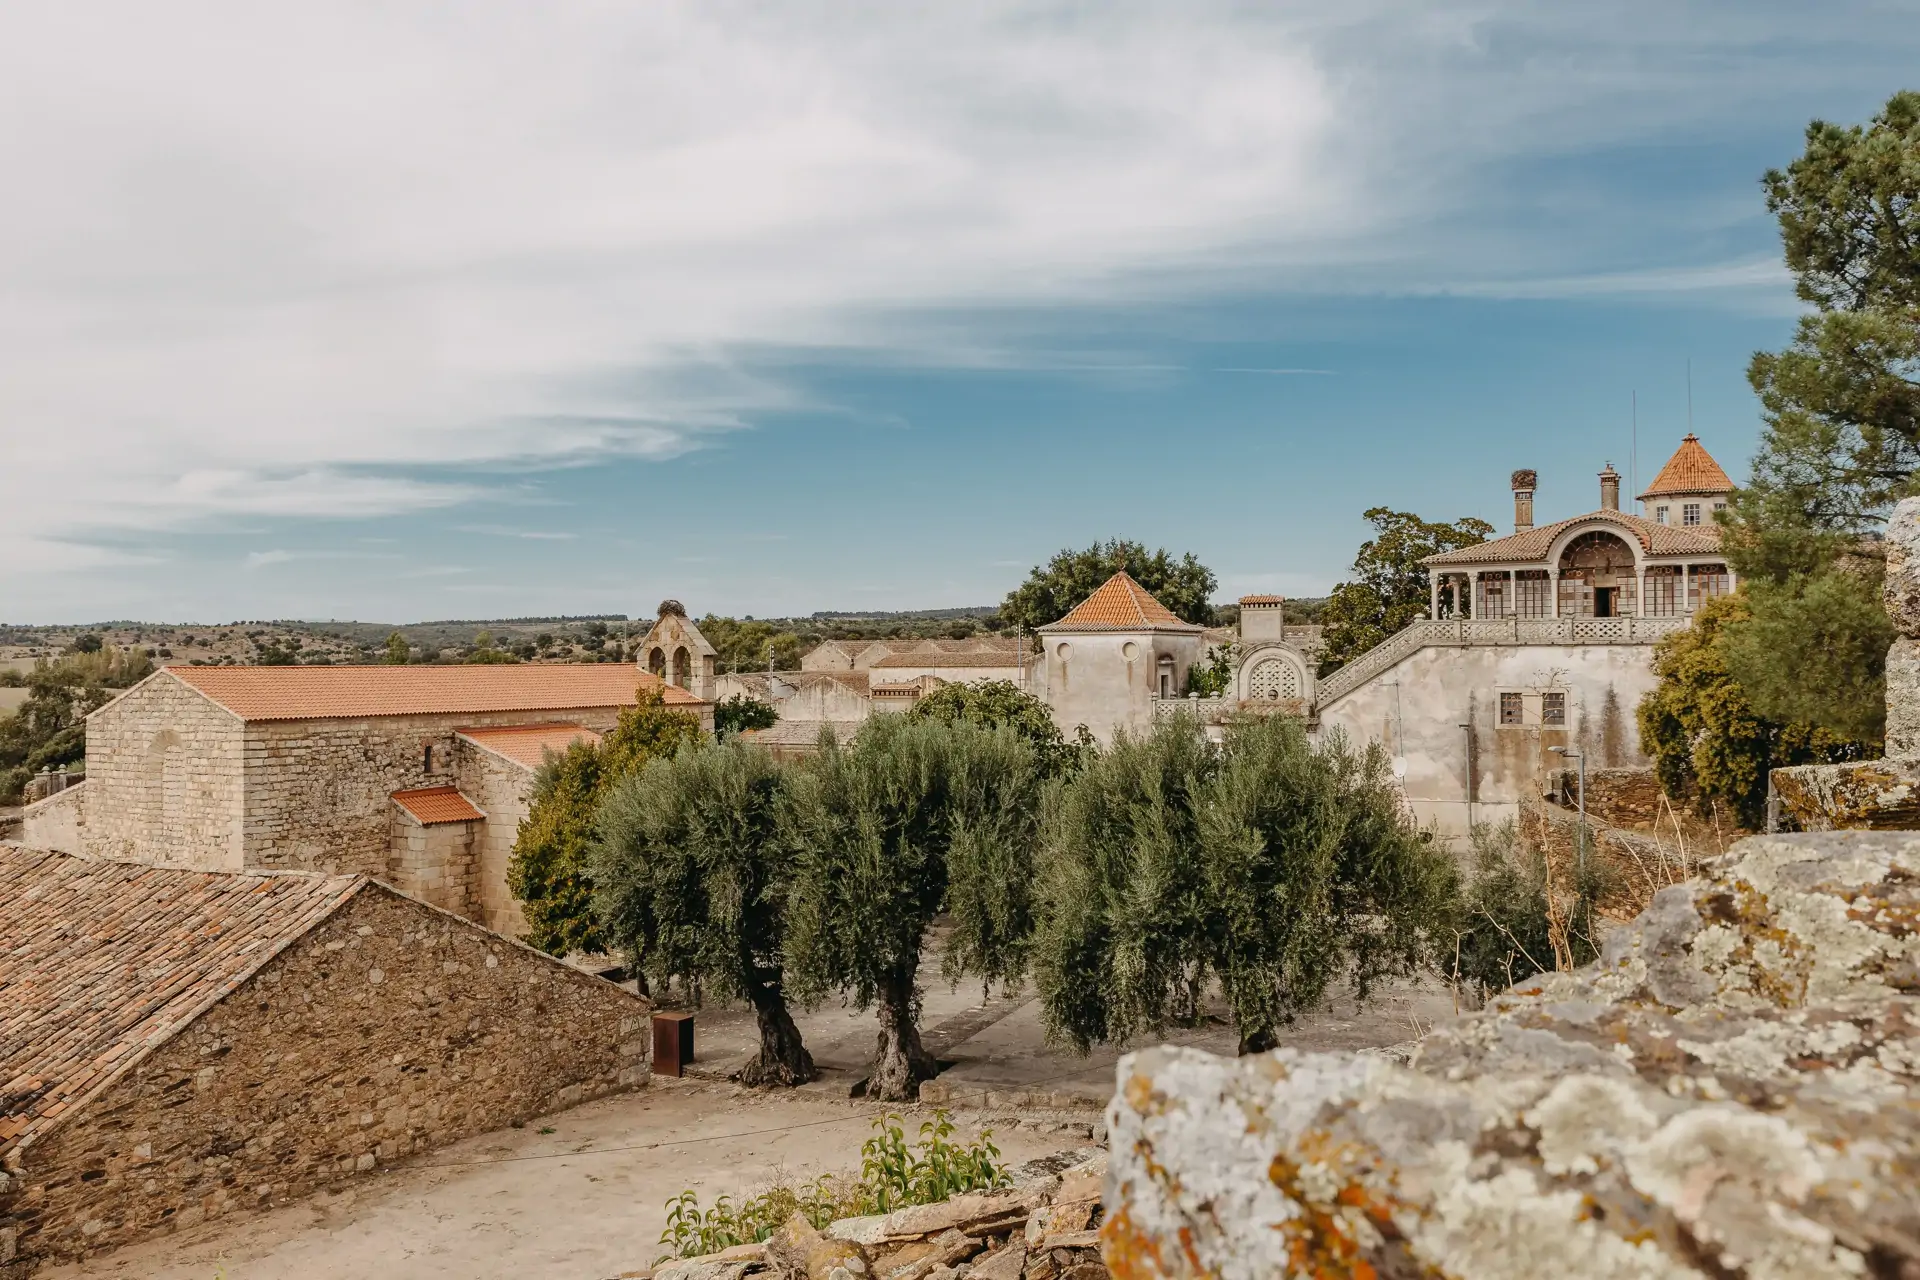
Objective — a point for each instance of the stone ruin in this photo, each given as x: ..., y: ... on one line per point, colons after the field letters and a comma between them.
x: 1733, y: 1090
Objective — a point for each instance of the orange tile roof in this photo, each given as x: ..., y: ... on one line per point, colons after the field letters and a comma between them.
x: 102, y: 962
x: 1691, y: 469
x: 354, y: 693
x: 528, y: 744
x: 1263, y: 599
x: 1533, y: 544
x: 431, y: 806
x: 1121, y: 604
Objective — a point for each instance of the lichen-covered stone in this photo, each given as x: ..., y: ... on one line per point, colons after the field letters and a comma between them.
x: 1866, y: 795
x: 1903, y: 697
x: 1732, y: 1091
x: 1900, y: 591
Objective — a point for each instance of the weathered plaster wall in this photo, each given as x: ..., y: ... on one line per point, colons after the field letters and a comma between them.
x: 317, y: 790
x: 57, y: 822
x: 1732, y: 1092
x: 1417, y: 707
x: 1107, y: 680
x: 164, y: 779
x: 388, y: 1030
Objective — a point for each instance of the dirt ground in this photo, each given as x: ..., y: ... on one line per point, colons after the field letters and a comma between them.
x: 580, y: 1195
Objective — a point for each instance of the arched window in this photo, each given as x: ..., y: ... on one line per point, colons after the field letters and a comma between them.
x: 1273, y: 680
x: 682, y: 668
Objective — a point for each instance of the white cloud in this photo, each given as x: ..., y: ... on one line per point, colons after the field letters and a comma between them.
x: 347, y: 260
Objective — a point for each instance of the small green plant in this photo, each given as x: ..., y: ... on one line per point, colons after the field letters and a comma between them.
x: 893, y: 1175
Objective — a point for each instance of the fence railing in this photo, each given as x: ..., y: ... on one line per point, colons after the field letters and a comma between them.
x: 1465, y: 632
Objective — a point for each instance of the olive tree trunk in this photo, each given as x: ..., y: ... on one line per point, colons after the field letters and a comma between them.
x: 903, y: 1062
x: 783, y: 1059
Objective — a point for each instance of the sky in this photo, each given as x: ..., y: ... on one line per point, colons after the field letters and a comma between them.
x: 403, y: 311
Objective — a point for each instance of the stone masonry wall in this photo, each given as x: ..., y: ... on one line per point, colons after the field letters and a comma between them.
x: 163, y: 779
x: 1732, y: 1092
x: 389, y: 1029
x: 317, y: 790
x: 434, y: 864
x: 57, y: 822
x: 503, y: 789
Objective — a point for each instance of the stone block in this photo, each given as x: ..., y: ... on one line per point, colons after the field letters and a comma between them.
x: 1901, y: 590
x: 1731, y: 1090
x: 1903, y: 697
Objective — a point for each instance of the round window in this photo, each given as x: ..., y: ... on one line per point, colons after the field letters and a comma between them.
x: 1129, y: 651
x: 1064, y: 652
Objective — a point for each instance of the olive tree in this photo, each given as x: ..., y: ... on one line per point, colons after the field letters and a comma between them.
x: 1268, y: 865
x: 690, y: 876
x: 908, y: 819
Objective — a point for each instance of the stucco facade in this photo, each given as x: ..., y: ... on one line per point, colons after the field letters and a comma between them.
x: 1113, y: 658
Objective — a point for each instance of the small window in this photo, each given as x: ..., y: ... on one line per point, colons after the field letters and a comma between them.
x: 1719, y: 506
x: 1512, y: 709
x: 1690, y: 513
x: 1553, y: 709
x: 1660, y: 515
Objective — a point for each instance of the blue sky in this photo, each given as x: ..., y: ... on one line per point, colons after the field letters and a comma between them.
x: 375, y: 314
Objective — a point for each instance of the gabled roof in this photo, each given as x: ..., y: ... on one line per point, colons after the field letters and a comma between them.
x: 433, y: 806
x: 1533, y: 544
x: 1121, y: 604
x: 355, y: 693
x: 1691, y: 469
x: 101, y: 962
x: 528, y: 744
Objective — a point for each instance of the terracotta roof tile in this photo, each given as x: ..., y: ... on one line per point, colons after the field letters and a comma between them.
x: 1121, y: 604
x: 995, y: 658
x: 1655, y: 539
x: 101, y: 962
x: 1263, y: 599
x: 1691, y: 469
x: 354, y: 693
x: 800, y: 733
x: 528, y: 744
x: 431, y: 806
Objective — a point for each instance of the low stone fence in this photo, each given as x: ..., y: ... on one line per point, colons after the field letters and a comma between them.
x: 1638, y: 864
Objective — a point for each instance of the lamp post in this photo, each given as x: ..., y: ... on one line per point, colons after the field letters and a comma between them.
x: 1580, y: 863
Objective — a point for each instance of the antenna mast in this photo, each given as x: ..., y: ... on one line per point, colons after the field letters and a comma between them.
x: 1633, y: 457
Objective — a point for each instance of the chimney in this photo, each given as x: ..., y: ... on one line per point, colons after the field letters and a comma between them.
x: 1609, y: 489
x: 1523, y: 500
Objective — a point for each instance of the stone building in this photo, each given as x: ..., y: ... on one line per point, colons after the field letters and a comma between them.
x: 179, y: 1045
x: 418, y: 775
x: 1540, y: 643
x: 676, y: 652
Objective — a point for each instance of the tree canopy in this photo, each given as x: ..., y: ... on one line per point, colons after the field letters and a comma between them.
x: 550, y: 871
x: 909, y: 818
x: 990, y: 704
x: 1268, y: 864
x: 1052, y: 590
x: 733, y: 714
x: 1389, y: 587
x: 691, y: 879
x: 49, y: 729
x: 1708, y: 743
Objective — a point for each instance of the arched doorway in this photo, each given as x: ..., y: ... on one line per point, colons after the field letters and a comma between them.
x: 1598, y: 577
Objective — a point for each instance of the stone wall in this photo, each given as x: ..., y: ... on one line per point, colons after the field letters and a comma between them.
x: 1733, y: 1091
x: 1416, y: 709
x: 1629, y: 798
x: 387, y: 1030
x: 435, y: 864
x: 316, y: 790
x: 58, y: 822
x: 1636, y: 864
x: 502, y: 789
x: 164, y: 778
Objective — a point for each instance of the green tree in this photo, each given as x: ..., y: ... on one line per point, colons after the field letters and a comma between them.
x: 1513, y: 922
x: 991, y: 704
x: 1389, y: 587
x: 397, y: 651
x: 1213, y: 677
x: 1052, y: 590
x: 550, y: 870
x: 1707, y: 741
x: 691, y: 877
x: 731, y: 715
x: 1841, y: 407
x: 1268, y: 865
x: 743, y: 646
x: 910, y: 817
x: 49, y: 729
